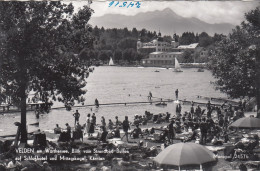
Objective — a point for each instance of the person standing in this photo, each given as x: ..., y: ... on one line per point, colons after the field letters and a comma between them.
x: 68, y: 132
x: 192, y: 111
x: 198, y: 112
x: 94, y: 118
x: 244, y: 104
x: 177, y: 94
x: 179, y: 108
x: 203, y: 131
x: 118, y: 123
x: 208, y: 106
x: 126, y: 127
x: 96, y: 103
x: 172, y: 131
x: 87, y: 125
x: 103, y: 121
x: 150, y: 95
x: 91, y: 126
x: 76, y: 116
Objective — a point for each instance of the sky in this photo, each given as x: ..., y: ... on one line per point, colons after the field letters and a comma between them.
x: 209, y: 11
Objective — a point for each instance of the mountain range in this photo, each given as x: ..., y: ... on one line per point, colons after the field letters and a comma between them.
x: 167, y: 21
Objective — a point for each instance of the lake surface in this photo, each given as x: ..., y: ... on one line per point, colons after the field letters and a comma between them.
x: 111, y: 84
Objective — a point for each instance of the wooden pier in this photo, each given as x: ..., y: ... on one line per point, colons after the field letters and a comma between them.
x: 8, y: 108
x: 33, y: 106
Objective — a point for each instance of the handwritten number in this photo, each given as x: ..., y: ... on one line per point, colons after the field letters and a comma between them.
x: 117, y: 3
x: 131, y: 4
x: 111, y: 3
x: 124, y: 4
x: 138, y: 4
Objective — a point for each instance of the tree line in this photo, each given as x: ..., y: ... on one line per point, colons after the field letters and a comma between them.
x: 121, y: 44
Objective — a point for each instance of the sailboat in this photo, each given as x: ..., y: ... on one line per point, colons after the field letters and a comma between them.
x: 177, y: 66
x: 111, y: 63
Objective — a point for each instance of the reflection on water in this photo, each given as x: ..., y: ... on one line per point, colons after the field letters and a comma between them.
x: 122, y: 85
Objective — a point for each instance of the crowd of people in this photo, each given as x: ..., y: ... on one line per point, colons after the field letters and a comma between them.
x: 209, y: 124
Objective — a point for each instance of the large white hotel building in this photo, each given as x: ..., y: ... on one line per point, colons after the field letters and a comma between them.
x: 162, y: 54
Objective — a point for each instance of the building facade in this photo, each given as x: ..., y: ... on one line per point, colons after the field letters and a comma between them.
x: 161, y: 59
x: 156, y: 46
x: 163, y: 54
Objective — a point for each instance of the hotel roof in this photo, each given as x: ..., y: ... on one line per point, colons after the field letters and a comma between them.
x: 191, y: 46
x: 166, y: 53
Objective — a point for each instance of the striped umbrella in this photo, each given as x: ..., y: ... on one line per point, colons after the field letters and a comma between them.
x: 247, y: 122
x: 181, y: 154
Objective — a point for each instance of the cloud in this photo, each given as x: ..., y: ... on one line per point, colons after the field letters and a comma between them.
x: 209, y: 11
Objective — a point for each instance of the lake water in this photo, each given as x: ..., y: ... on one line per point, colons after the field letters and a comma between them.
x: 110, y: 84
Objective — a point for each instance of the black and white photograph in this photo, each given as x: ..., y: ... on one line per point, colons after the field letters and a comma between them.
x: 136, y: 85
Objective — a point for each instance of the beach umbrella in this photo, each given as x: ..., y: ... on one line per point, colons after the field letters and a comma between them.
x: 246, y: 122
x: 181, y: 154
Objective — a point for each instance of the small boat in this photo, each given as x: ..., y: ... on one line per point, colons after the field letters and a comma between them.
x: 200, y: 70
x: 161, y: 104
x: 111, y: 62
x: 156, y: 71
x: 177, y: 67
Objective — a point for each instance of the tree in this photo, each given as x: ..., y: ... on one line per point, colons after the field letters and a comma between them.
x: 167, y: 39
x: 253, y: 28
x: 235, y: 60
x: 218, y: 37
x: 204, y: 39
x: 117, y: 55
x: 127, y: 43
x: 126, y: 33
x: 38, y: 52
x: 134, y: 32
x: 102, y: 30
x: 187, y: 56
x: 114, y: 33
x: 96, y: 31
x: 143, y: 33
x: 104, y: 55
x: 129, y: 54
x: 187, y: 38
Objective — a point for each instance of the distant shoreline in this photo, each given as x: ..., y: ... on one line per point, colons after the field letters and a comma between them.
x: 183, y: 65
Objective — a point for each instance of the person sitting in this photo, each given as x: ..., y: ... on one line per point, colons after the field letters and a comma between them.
x: 152, y: 131
x: 46, y: 166
x: 39, y: 139
x: 164, y: 135
x: 68, y: 133
x: 116, y: 133
x: 57, y: 130
x: 216, y: 141
x: 110, y: 124
x: 167, y: 118
x: 253, y: 144
x: 136, y: 120
x: 144, y: 120
x: 195, y: 134
x: 178, y: 127
x: 78, y: 133
x: 103, y: 136
x: 118, y: 123
x: 159, y: 119
x: 136, y: 132
x: 14, y: 165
